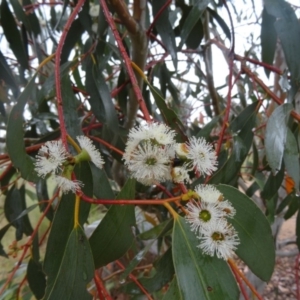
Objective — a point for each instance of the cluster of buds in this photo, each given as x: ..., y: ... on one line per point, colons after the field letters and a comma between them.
x: 53, y: 158
x: 152, y: 155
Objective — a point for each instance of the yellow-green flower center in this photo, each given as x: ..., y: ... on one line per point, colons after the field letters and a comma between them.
x: 205, y: 215
x: 151, y: 161
x: 218, y: 236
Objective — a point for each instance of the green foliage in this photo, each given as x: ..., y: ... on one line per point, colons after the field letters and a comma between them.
x: 122, y: 239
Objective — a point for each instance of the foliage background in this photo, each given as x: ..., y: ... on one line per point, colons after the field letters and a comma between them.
x: 60, y: 74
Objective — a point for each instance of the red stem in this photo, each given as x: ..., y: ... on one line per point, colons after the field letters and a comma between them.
x: 240, y: 283
x: 127, y: 202
x: 60, y: 111
x: 26, y: 246
x: 158, y: 15
x: 133, y: 278
x: 297, y: 276
x: 228, y: 106
x: 127, y: 61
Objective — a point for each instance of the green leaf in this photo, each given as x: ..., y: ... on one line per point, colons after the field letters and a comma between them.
x: 192, y: 19
x: 15, y: 136
x: 76, y: 269
x: 291, y: 158
x: 164, y: 271
x: 285, y: 202
x: 42, y: 195
x: 100, y: 99
x: 257, y: 248
x: 221, y: 22
x: 199, y: 276
x: 36, y: 278
x: 275, y: 138
x: 13, y: 35
x: 158, y: 231
x: 168, y: 114
x: 272, y: 185
x: 268, y: 38
x: 113, y: 236
x: 73, y: 36
x: 102, y: 190
x: 164, y: 28
x: 7, y: 75
x: 63, y: 224
x: 70, y: 106
x: 173, y: 291
x: 4, y: 229
x: 293, y: 207
x: 288, y: 30
x: 14, y: 206
x: 207, y: 129
x: 242, y: 125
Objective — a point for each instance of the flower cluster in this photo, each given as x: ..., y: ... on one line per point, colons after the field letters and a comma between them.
x: 152, y: 155
x: 207, y: 217
x: 53, y: 158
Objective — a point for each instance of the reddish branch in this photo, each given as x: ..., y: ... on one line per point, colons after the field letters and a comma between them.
x: 133, y: 278
x: 57, y: 71
x: 128, y: 202
x: 27, y: 245
x: 127, y: 62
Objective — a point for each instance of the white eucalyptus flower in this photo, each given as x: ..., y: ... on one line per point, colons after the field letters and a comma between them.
x: 50, y: 157
x: 208, y: 193
x: 180, y: 175
x: 220, y: 239
x: 227, y: 207
x: 87, y: 145
x: 149, y: 164
x: 202, y: 155
x: 66, y: 185
x: 202, y: 215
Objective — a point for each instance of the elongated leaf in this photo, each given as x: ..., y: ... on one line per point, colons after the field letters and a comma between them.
x: 293, y: 207
x: 100, y: 99
x: 207, y: 129
x: 168, y: 114
x: 157, y: 231
x: 221, y: 22
x: 36, y: 278
x: 164, y: 271
x: 13, y: 35
x: 15, y: 206
x: 15, y: 135
x: 291, y: 158
x: 288, y: 30
x: 272, y: 185
x: 7, y: 75
x: 70, y: 105
x: 199, y: 276
x: 268, y: 38
x: 243, y: 126
x: 73, y: 36
x: 76, y: 269
x: 164, y: 28
x: 113, y: 237
x: 63, y: 224
x: 257, y: 245
x: 192, y: 19
x: 173, y: 291
x: 275, y: 138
